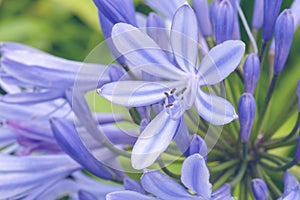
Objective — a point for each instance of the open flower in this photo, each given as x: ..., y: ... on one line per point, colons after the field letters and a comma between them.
x: 181, y: 85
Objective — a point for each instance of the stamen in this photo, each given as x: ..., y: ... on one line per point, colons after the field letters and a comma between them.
x: 169, y: 105
x: 183, y: 90
x: 167, y: 94
x: 173, y: 90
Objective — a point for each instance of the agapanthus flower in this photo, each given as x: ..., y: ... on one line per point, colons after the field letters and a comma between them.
x: 194, y: 175
x: 183, y: 88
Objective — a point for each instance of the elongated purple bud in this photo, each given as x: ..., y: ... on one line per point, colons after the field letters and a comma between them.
x: 284, y: 33
x: 271, y: 10
x: 157, y: 31
x: 297, y: 156
x: 298, y: 94
x: 247, y: 110
x: 251, y: 72
x: 224, y: 21
x: 260, y: 189
x: 258, y: 14
x: 202, y: 13
x: 199, y: 146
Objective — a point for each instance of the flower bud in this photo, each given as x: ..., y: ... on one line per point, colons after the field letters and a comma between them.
x: 202, y: 13
x: 298, y: 95
x: 224, y: 21
x: 297, y: 155
x: 271, y: 10
x: 157, y: 31
x: 133, y: 185
x: 247, y: 109
x: 251, y: 72
x: 199, y: 146
x: 284, y: 33
x: 258, y: 14
x: 260, y: 189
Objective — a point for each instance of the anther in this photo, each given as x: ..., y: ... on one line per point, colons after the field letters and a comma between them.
x: 169, y: 105
x: 173, y: 90
x: 167, y: 94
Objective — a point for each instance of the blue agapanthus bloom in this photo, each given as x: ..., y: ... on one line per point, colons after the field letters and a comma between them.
x: 194, y: 175
x: 183, y: 88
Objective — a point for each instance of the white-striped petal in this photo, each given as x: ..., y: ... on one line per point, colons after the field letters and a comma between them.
x: 214, y: 109
x: 153, y: 140
x: 138, y: 93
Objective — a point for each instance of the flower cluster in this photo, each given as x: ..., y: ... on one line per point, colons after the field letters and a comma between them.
x: 181, y: 72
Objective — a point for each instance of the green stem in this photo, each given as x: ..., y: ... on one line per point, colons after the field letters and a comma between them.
x: 271, y: 158
x: 280, y: 168
x: 273, y: 188
x: 224, y: 165
x: 240, y: 174
x: 288, y: 137
x: 261, y: 118
x: 224, y: 178
x: 166, y: 171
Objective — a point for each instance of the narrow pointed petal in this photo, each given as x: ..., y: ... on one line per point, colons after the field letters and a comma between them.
x: 84, y: 195
x: 214, y: 109
x: 143, y: 53
x: 137, y: 93
x: 167, y: 8
x: 195, y: 176
x: 182, y: 137
x: 133, y: 185
x: 199, y: 146
x: 157, y: 31
x: 21, y: 175
x: 184, y: 38
x: 160, y: 185
x: 202, y: 13
x: 127, y: 195
x: 32, y: 97
x: 153, y: 140
x: 220, y: 62
x: 290, y: 182
x: 223, y: 192
x: 69, y: 140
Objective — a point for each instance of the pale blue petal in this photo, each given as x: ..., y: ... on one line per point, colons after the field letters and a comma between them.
x: 137, y: 93
x: 153, y: 140
x: 214, y: 109
x: 143, y: 53
x: 290, y: 182
x: 161, y: 186
x: 182, y: 137
x: 32, y: 97
x: 122, y: 195
x: 20, y: 175
x: 184, y: 38
x: 84, y: 195
x: 69, y: 140
x: 223, y: 192
x: 167, y: 8
x: 220, y: 62
x: 195, y: 176
x: 133, y: 185
x: 6, y: 136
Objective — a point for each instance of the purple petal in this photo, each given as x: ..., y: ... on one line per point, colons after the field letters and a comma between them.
x: 20, y: 175
x: 195, y: 176
x: 214, y: 109
x: 182, y: 137
x: 220, y: 62
x: 184, y: 38
x: 290, y: 182
x: 161, y: 186
x: 199, y: 146
x: 137, y: 93
x: 69, y: 140
x: 223, y: 192
x: 122, y: 195
x: 84, y: 195
x: 32, y: 97
x: 130, y: 184
x: 167, y: 8
x: 143, y: 53
x: 153, y: 140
